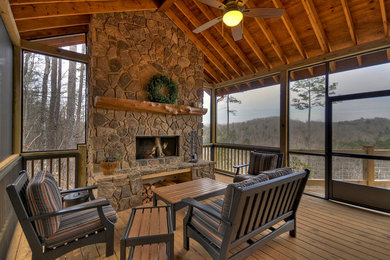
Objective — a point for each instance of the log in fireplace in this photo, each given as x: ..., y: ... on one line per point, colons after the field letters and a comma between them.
x: 151, y: 147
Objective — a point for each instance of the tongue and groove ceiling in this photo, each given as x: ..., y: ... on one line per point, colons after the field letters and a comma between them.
x: 308, y: 28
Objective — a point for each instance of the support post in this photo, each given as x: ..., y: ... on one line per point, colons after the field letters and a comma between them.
x: 82, y: 166
x: 284, y: 115
x: 369, y: 166
x: 213, y: 122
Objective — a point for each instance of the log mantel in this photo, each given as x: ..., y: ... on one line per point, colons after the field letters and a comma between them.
x: 146, y: 106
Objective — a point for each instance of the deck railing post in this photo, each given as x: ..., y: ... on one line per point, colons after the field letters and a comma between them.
x: 82, y: 166
x: 369, y: 166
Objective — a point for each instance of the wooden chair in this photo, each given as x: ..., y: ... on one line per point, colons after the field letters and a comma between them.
x: 87, y: 223
x: 259, y: 161
x: 248, y: 208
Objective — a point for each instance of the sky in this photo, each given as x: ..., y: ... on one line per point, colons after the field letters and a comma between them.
x: 265, y: 102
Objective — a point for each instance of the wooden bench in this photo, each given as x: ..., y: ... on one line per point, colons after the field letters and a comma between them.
x: 149, y: 234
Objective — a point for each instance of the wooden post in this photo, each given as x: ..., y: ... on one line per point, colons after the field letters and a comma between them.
x: 82, y: 166
x: 284, y: 115
x: 369, y: 166
x: 17, y: 101
x: 213, y: 124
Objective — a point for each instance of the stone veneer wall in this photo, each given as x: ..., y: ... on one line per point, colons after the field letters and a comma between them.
x: 126, y: 50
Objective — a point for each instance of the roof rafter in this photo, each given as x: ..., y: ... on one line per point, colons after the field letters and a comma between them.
x: 212, y: 72
x: 27, y: 2
x: 317, y: 25
x: 166, y: 5
x: 198, y: 43
x: 291, y: 30
x: 384, y: 17
x: 51, y: 22
x: 270, y: 36
x: 23, y: 12
x: 210, y: 15
x: 348, y: 17
x: 207, y: 35
x: 256, y: 49
x: 63, y: 41
x: 54, y: 32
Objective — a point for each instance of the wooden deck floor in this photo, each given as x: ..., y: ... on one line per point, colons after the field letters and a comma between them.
x: 325, y: 230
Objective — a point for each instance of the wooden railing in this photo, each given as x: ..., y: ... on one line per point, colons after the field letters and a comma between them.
x: 228, y: 155
x: 68, y: 167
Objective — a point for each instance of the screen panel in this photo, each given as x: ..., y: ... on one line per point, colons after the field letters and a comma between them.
x: 6, y: 93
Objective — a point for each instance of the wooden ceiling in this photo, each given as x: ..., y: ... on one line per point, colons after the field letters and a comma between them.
x: 308, y: 28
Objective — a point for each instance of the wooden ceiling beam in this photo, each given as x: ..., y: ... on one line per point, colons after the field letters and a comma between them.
x: 256, y: 49
x: 27, y: 2
x: 209, y: 79
x: 229, y: 39
x: 52, y: 22
x: 388, y: 54
x: 384, y: 17
x: 291, y: 30
x: 212, y: 72
x: 317, y: 25
x: 207, y: 35
x: 351, y: 27
x: 270, y: 36
x: 63, y: 41
x: 348, y: 17
x: 9, y: 22
x: 166, y: 5
x: 360, y: 61
x: 23, y: 12
x: 31, y: 35
x: 171, y: 15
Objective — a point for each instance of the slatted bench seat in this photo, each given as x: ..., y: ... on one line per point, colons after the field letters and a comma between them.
x: 149, y: 234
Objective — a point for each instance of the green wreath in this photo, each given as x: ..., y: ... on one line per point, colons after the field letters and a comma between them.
x: 154, y: 88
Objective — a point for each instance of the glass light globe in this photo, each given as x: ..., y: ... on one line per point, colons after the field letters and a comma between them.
x: 232, y: 18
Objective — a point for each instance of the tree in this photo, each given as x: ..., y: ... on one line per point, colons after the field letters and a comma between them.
x: 311, y: 94
x: 233, y: 100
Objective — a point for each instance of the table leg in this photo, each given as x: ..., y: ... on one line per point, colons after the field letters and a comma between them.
x: 154, y: 200
x: 171, y: 249
x: 173, y: 214
x: 123, y: 250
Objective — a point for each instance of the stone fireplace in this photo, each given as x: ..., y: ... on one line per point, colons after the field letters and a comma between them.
x: 126, y: 50
x: 152, y: 147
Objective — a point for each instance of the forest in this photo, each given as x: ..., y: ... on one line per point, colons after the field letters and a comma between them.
x: 54, y: 93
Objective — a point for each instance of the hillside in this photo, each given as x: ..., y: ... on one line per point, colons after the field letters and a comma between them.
x: 347, y: 134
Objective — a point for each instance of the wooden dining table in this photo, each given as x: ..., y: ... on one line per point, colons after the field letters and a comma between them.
x: 197, y: 189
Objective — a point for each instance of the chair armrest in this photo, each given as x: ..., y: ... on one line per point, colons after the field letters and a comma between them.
x: 196, y: 204
x: 79, y: 189
x: 238, y: 167
x: 95, y: 204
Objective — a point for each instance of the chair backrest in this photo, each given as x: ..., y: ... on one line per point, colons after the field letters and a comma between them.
x: 263, y: 161
x: 17, y: 194
x: 259, y: 204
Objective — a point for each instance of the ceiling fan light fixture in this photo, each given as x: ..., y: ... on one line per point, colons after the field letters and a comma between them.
x: 232, y: 18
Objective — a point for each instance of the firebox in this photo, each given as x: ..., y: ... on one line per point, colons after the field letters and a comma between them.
x: 150, y: 147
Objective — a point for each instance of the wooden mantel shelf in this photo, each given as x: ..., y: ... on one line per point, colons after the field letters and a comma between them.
x: 146, y: 106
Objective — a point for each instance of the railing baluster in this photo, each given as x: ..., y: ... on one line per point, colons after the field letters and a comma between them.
x: 41, y: 164
x: 33, y: 168
x: 51, y: 165
x: 67, y: 173
x: 59, y: 172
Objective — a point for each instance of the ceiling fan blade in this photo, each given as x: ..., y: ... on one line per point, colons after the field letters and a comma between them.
x: 264, y: 12
x: 237, y: 32
x: 207, y: 25
x: 212, y: 3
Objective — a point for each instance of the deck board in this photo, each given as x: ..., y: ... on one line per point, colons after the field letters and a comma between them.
x: 325, y: 230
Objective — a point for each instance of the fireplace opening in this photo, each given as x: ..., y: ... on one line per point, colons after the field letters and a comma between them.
x: 151, y: 147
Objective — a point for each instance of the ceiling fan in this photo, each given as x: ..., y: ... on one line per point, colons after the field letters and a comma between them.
x: 233, y: 12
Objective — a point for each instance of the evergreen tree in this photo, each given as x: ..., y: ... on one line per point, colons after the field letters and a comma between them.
x: 311, y: 93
